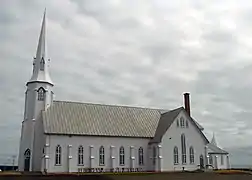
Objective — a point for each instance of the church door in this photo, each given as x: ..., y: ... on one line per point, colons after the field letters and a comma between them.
x: 201, y: 162
x: 27, y: 157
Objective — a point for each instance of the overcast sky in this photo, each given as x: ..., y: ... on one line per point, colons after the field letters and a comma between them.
x: 134, y: 52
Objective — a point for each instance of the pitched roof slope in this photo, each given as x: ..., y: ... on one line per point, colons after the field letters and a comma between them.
x: 73, y: 118
x: 165, y: 122
x: 215, y: 149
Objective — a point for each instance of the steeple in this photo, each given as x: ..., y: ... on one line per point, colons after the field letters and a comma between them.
x: 213, y: 140
x: 40, y: 63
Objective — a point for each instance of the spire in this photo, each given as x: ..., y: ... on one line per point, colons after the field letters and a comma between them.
x: 40, y: 63
x: 213, y: 140
x: 41, y: 43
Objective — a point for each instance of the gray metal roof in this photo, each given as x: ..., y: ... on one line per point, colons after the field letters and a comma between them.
x: 73, y: 118
x: 215, y: 149
x: 165, y: 122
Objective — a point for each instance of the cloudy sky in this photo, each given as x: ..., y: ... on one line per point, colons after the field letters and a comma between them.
x: 134, y: 52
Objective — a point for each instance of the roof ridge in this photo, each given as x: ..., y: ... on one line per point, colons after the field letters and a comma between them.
x: 113, y: 105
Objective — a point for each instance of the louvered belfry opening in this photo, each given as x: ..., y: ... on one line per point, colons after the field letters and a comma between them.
x: 187, y: 103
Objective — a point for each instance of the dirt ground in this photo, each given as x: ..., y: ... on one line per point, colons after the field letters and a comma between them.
x: 173, y: 176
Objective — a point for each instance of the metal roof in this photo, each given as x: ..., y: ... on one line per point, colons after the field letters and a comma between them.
x: 215, y: 150
x: 73, y: 118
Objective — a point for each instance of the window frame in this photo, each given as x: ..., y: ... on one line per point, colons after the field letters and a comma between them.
x: 58, y: 153
x: 191, y: 155
x: 175, y: 156
x: 41, y: 94
x: 140, y: 156
x: 80, y: 155
x: 101, y: 156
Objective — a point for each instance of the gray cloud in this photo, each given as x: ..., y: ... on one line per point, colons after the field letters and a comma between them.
x: 139, y: 53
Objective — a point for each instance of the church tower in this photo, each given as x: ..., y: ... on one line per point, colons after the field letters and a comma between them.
x: 38, y: 97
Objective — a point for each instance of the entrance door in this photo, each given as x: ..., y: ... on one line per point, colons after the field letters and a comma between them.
x: 201, y: 162
x: 27, y: 157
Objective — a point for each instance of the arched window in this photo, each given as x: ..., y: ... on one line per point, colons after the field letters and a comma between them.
x: 121, y: 156
x: 183, y: 148
x: 42, y: 64
x: 182, y: 122
x: 191, y: 151
x: 27, y: 153
x: 154, y: 155
x: 101, y: 156
x: 177, y: 123
x: 140, y: 156
x: 175, y: 155
x: 41, y: 94
x: 58, y: 155
x: 187, y: 125
x: 80, y: 155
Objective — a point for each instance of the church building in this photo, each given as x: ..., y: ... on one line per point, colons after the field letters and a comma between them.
x: 62, y: 136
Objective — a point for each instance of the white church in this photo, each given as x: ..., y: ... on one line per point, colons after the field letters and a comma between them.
x: 61, y: 136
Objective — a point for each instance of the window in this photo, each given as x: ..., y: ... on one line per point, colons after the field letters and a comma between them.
x: 41, y: 94
x: 154, y: 155
x: 42, y: 64
x: 222, y: 159
x: 187, y: 125
x: 140, y: 156
x: 101, y: 156
x: 175, y: 155
x: 58, y: 155
x: 211, y: 160
x: 191, y: 150
x: 183, y: 148
x: 177, y: 123
x: 121, y: 156
x: 80, y: 155
x: 182, y: 122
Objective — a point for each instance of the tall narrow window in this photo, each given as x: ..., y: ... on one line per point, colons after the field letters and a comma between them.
x: 175, y: 155
x: 222, y: 159
x: 121, y: 156
x: 140, y: 156
x: 182, y: 122
x: 177, y: 123
x: 42, y: 64
x: 191, y: 151
x: 154, y: 155
x: 101, y: 156
x: 80, y: 155
x: 187, y: 125
x: 58, y: 155
x: 183, y: 148
x: 41, y: 94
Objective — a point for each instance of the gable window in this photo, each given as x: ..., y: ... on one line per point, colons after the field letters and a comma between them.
x: 222, y: 159
x: 58, y: 155
x: 187, y: 125
x: 182, y: 122
x: 101, y: 156
x: 41, y: 94
x: 175, y: 155
x: 154, y: 155
x: 183, y: 148
x: 121, y: 156
x: 140, y: 156
x: 191, y: 151
x: 42, y: 64
x: 80, y: 155
x: 177, y: 123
